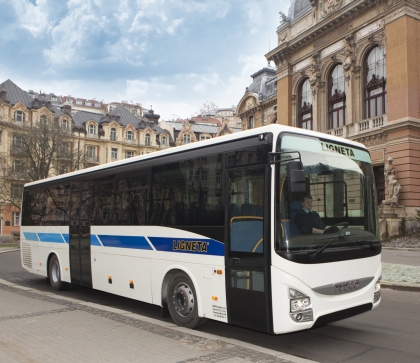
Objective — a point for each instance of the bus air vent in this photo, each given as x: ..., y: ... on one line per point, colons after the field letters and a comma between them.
x: 27, y: 255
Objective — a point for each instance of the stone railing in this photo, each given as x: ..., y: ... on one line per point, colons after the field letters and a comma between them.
x: 360, y: 127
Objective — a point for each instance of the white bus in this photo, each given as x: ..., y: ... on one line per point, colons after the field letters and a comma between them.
x: 208, y: 230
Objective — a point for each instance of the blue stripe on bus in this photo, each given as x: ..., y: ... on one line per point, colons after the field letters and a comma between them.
x: 30, y: 236
x: 137, y: 242
x: 66, y: 237
x: 94, y: 241
x: 51, y: 237
x: 189, y: 245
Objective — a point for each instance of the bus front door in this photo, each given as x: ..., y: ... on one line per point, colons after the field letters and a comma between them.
x: 247, y: 268
x: 80, y: 264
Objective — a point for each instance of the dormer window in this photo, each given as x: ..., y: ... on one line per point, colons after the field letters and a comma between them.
x: 19, y: 116
x: 92, y: 129
x: 64, y: 124
x: 187, y: 138
x: 97, y: 104
x: 43, y: 120
x: 88, y: 103
x: 79, y: 102
x: 163, y: 140
x: 129, y: 135
x: 147, y: 140
x: 69, y: 101
x: 113, y: 135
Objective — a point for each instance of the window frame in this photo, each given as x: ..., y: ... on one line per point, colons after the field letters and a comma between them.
x: 304, y: 107
x: 335, y: 98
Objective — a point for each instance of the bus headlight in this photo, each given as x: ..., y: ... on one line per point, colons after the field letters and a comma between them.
x: 377, y: 293
x: 300, y: 306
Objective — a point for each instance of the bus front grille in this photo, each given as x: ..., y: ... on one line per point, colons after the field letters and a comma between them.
x: 27, y: 255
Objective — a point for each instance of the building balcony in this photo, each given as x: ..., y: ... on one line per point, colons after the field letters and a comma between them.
x: 361, y: 127
x: 164, y: 146
x: 92, y: 159
x: 130, y: 142
x: 92, y: 136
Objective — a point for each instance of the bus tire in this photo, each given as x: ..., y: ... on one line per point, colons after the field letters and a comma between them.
x: 182, y: 302
x: 54, y: 274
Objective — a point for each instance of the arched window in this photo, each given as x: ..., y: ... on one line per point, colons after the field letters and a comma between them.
x: 43, y: 120
x: 92, y: 129
x: 336, y: 98
x: 305, y: 106
x: 113, y: 135
x: 375, y: 82
x: 19, y: 116
x: 250, y: 122
x: 147, y: 140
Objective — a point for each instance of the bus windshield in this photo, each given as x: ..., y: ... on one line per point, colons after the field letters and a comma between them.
x: 338, y: 201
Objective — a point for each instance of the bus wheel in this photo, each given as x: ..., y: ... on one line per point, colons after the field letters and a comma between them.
x: 54, y: 274
x: 182, y: 302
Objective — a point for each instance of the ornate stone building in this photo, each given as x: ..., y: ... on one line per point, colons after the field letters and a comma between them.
x: 258, y: 106
x: 39, y: 139
x: 351, y: 68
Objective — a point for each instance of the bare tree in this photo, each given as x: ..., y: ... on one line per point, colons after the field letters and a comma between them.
x: 208, y: 107
x: 38, y: 152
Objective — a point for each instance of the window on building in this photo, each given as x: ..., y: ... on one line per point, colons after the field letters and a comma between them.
x: 375, y: 83
x: 16, y: 191
x: 79, y: 102
x: 305, y: 106
x: 64, y: 124
x: 187, y: 138
x: 129, y: 154
x: 113, y: 135
x: 129, y: 135
x: 16, y: 219
x: 19, y: 116
x: 337, y: 98
x: 147, y: 140
x: 91, y: 152
x: 69, y: 101
x: 17, y: 166
x: 250, y: 122
x: 114, y: 153
x: 163, y: 140
x: 43, y: 120
x: 97, y: 104
x: 88, y: 103
x: 92, y: 129
x: 54, y: 99
x: 205, y: 137
x: 17, y: 141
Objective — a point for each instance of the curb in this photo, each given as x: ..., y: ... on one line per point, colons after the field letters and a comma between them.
x: 400, y: 287
x: 7, y: 249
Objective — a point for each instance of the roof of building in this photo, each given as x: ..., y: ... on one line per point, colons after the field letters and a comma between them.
x: 198, y: 127
x: 298, y: 7
x: 14, y: 94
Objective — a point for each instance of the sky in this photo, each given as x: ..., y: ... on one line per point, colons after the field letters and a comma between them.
x: 173, y: 55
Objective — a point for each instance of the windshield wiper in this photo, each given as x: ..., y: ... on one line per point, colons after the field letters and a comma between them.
x: 371, y: 244
x: 312, y: 256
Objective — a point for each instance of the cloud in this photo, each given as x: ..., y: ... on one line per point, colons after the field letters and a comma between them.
x: 33, y: 18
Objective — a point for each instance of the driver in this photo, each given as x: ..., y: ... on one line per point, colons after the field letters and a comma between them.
x: 308, y: 221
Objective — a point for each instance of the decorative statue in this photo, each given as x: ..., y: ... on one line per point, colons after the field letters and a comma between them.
x: 391, y: 184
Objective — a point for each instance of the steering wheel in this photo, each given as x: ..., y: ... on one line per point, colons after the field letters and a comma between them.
x: 333, y: 228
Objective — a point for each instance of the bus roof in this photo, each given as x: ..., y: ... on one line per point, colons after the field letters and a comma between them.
x: 273, y: 128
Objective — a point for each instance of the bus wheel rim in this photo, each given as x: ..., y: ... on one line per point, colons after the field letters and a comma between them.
x: 183, y: 300
x: 55, y: 272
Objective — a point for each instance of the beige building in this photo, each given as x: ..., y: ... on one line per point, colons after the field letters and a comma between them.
x: 38, y: 139
x: 351, y: 68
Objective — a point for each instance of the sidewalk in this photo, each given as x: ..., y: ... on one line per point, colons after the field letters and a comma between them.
x: 44, y: 327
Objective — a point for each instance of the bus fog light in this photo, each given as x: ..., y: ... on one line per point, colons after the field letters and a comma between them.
x: 377, y: 293
x: 300, y: 306
x: 303, y: 316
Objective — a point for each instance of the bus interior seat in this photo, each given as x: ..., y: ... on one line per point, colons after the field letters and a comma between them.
x: 295, y: 206
x: 252, y: 210
x: 245, y: 234
x: 234, y: 210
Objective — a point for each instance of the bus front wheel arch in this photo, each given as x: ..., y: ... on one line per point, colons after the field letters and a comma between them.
x: 182, y: 301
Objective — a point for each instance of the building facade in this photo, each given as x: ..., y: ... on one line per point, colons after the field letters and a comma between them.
x: 39, y: 139
x: 351, y: 68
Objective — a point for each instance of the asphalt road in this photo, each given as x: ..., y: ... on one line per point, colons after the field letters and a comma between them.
x: 401, y: 257
x: 390, y: 333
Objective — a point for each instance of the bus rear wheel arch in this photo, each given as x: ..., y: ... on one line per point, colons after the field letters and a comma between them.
x: 54, y: 274
x: 182, y: 301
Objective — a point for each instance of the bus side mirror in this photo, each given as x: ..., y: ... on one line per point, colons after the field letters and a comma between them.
x: 295, y: 177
